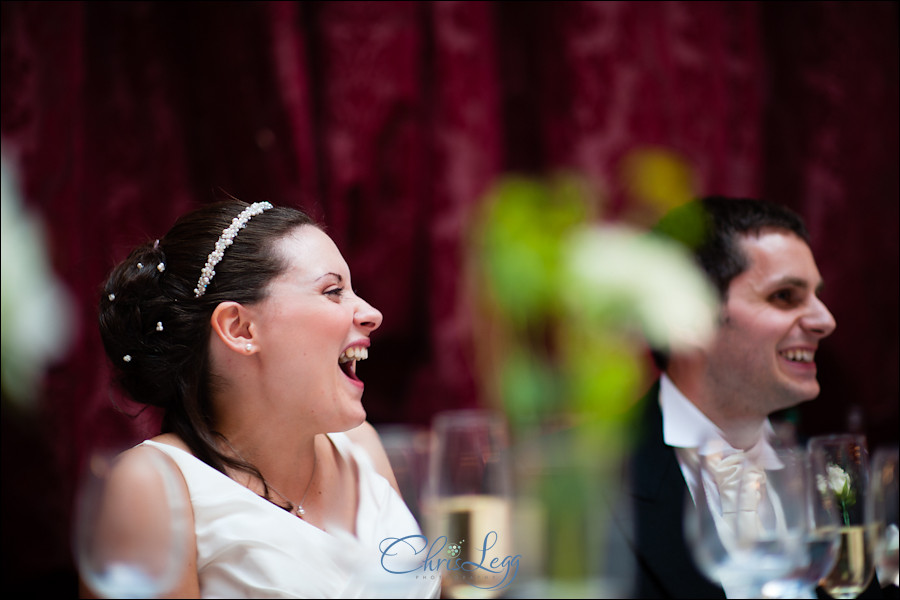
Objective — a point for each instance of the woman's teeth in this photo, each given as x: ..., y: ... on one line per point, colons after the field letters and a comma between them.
x: 798, y: 355
x: 354, y: 353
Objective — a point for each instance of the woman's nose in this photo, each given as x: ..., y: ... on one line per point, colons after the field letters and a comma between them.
x: 367, y: 316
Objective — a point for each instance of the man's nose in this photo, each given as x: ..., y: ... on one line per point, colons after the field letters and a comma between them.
x: 819, y: 319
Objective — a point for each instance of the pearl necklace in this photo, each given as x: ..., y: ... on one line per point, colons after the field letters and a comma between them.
x: 298, y: 510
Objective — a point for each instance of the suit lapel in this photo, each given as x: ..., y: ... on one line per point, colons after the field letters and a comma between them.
x: 665, y: 565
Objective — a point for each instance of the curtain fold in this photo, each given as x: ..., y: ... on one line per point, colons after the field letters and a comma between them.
x: 389, y: 121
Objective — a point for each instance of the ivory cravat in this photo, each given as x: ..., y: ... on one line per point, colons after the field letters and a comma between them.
x: 741, y: 485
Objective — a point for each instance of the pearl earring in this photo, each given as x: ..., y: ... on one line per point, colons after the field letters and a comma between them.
x: 249, y: 347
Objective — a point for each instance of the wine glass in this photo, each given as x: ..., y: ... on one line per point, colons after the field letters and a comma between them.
x: 883, y: 503
x: 715, y: 555
x: 109, y: 563
x: 840, y: 463
x: 811, y: 525
x: 467, y: 504
x: 754, y: 529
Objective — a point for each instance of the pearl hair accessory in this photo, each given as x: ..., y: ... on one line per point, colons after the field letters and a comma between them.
x: 159, y: 326
x: 161, y: 267
x: 140, y: 265
x: 225, y: 240
x: 112, y: 297
x: 127, y: 358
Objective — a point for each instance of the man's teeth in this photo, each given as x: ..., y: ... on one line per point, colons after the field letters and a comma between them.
x: 355, y: 353
x: 798, y: 355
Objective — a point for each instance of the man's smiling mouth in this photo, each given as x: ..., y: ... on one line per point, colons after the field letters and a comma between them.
x: 796, y: 355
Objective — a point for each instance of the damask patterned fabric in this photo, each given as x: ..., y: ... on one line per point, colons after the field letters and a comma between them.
x: 388, y: 121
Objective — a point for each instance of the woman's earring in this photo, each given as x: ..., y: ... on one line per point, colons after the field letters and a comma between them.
x: 249, y: 347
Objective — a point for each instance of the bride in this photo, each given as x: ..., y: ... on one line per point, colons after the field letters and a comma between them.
x: 241, y: 323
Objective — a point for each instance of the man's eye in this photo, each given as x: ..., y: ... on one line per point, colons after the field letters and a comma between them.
x: 783, y: 297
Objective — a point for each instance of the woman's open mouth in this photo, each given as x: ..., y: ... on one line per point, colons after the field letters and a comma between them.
x: 348, y: 359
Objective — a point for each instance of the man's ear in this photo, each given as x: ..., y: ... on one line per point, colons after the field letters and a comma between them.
x: 231, y: 322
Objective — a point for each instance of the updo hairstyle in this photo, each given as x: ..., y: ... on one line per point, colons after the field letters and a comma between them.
x: 156, y: 332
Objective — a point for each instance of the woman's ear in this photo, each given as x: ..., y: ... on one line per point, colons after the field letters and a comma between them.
x: 232, y: 324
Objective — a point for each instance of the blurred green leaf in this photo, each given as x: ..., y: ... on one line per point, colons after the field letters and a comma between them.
x: 519, y: 240
x: 530, y: 389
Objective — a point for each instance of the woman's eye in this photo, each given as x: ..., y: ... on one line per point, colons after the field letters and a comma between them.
x: 336, y: 292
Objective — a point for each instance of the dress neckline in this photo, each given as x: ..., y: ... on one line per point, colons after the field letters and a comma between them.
x: 339, y: 443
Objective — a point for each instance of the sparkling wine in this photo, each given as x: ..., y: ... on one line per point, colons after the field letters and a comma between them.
x: 479, y: 545
x: 854, y: 567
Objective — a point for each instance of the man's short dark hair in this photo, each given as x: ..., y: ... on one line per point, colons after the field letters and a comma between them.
x: 711, y: 228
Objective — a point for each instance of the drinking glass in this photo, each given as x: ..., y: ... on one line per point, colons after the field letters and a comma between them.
x: 811, y: 528
x: 715, y: 555
x: 840, y: 463
x: 109, y: 563
x: 883, y: 507
x: 779, y: 545
x: 467, y: 504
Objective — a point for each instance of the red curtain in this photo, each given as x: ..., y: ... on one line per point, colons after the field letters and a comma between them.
x: 388, y: 121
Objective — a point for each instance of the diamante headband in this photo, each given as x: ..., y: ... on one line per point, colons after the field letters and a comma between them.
x: 225, y: 240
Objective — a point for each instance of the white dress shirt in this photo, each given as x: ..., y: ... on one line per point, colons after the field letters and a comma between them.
x: 687, y: 429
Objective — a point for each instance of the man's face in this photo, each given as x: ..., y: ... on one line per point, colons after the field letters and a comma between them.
x: 763, y: 356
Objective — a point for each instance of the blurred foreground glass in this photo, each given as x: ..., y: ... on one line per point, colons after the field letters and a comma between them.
x: 110, y: 564
x: 884, y: 504
x: 841, y: 467
x: 467, y: 504
x: 811, y: 526
x: 407, y: 449
x: 779, y: 545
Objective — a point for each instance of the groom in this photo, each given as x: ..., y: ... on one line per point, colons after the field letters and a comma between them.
x: 761, y: 360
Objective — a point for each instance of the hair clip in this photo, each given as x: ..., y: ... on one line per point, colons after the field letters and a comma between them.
x: 161, y: 267
x: 159, y: 326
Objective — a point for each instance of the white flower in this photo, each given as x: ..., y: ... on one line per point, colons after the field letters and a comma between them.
x: 837, y: 480
x: 620, y: 275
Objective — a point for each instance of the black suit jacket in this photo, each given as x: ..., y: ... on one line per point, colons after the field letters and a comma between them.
x: 651, y: 524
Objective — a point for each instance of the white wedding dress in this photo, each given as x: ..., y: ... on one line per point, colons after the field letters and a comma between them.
x: 248, y: 547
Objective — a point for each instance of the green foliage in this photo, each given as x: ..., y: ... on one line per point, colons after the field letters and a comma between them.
x: 519, y: 239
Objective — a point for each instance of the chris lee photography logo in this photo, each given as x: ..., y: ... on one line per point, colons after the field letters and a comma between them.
x: 481, y: 565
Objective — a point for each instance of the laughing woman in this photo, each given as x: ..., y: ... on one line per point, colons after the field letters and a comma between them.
x: 241, y: 323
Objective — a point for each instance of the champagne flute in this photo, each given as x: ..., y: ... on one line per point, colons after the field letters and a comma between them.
x: 841, y: 465
x: 110, y: 564
x: 467, y: 504
x: 883, y: 505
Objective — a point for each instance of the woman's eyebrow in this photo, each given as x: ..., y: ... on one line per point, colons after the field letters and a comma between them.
x: 338, y: 276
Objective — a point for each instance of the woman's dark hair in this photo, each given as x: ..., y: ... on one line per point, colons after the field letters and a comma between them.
x: 156, y: 332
